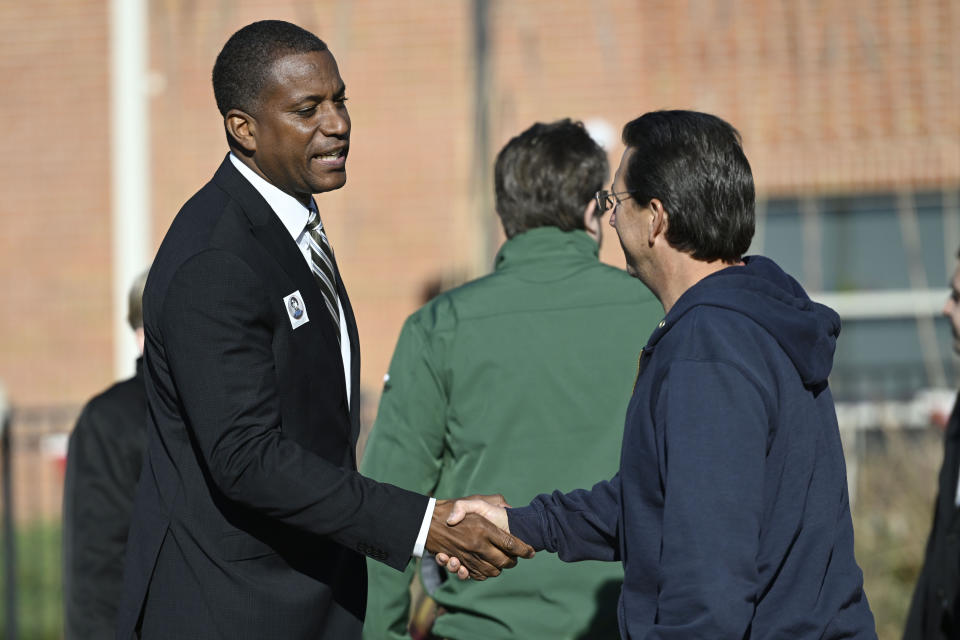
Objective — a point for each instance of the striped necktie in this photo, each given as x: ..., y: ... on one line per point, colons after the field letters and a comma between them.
x: 321, y: 264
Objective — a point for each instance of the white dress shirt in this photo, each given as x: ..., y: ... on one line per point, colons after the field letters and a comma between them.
x: 294, y: 216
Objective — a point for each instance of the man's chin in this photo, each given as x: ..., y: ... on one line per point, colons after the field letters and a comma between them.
x: 329, y: 182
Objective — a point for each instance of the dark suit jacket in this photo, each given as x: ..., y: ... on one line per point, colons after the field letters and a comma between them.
x: 103, y: 464
x: 935, y: 610
x: 251, y: 520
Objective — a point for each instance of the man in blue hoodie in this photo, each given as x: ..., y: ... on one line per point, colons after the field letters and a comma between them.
x: 730, y: 511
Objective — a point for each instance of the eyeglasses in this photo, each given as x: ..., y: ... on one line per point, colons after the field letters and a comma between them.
x: 607, y: 200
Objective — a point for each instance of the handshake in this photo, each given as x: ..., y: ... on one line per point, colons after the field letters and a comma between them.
x: 471, y: 537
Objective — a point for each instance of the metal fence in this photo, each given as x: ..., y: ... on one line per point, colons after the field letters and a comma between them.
x: 882, y: 435
x: 33, y: 455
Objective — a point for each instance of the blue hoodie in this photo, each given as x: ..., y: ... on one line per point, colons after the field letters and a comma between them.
x: 730, y: 510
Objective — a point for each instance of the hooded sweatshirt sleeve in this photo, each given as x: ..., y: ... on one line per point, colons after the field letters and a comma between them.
x: 580, y: 525
x: 713, y: 424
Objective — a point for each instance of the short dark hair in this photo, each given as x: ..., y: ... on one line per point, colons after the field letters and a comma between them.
x: 546, y: 176
x: 244, y: 64
x: 694, y: 164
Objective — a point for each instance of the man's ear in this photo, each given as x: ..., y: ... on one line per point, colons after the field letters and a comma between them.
x: 591, y: 222
x: 242, y: 129
x: 659, y: 221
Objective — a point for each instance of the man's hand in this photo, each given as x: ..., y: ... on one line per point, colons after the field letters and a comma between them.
x: 490, y: 507
x: 478, y: 547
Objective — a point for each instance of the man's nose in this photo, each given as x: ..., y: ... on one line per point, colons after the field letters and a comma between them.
x: 948, y: 307
x: 335, y: 122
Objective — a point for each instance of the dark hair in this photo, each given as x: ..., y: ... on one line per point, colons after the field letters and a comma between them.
x: 546, y: 176
x: 244, y: 65
x: 694, y: 164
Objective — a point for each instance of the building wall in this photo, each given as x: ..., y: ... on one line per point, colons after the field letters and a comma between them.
x: 830, y: 96
x: 55, y: 340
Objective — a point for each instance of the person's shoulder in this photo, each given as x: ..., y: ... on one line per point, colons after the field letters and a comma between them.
x: 623, y: 288
x: 441, y: 312
x: 114, y: 405
x: 481, y: 297
x: 709, y: 317
x: 118, y: 390
x: 209, y: 239
x: 196, y: 224
x: 712, y: 324
x: 616, y: 276
x: 712, y: 333
x: 194, y: 229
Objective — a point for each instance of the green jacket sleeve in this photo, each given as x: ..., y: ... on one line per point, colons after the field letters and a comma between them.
x: 405, y: 448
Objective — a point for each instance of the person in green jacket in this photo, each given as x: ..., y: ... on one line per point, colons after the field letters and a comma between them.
x: 519, y: 379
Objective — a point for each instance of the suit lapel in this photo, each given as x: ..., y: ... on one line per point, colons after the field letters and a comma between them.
x: 274, y: 237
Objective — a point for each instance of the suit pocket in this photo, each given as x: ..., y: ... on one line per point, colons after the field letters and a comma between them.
x: 242, y: 546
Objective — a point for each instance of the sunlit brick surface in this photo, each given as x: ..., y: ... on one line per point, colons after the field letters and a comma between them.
x: 849, y: 96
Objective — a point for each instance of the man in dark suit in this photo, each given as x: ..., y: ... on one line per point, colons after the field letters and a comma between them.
x: 104, y: 459
x: 251, y: 520
x: 935, y: 610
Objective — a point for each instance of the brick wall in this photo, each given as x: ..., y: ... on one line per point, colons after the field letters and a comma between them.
x: 830, y: 96
x: 55, y: 339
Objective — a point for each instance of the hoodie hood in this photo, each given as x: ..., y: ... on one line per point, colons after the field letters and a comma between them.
x: 807, y: 331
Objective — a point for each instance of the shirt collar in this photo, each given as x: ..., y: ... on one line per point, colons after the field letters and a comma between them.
x: 291, y: 212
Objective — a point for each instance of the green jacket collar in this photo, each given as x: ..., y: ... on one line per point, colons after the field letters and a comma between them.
x: 542, y: 243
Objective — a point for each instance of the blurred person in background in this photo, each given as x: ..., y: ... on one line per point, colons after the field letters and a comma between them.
x: 935, y: 609
x: 250, y: 519
x: 730, y: 511
x: 104, y: 458
x: 521, y: 376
